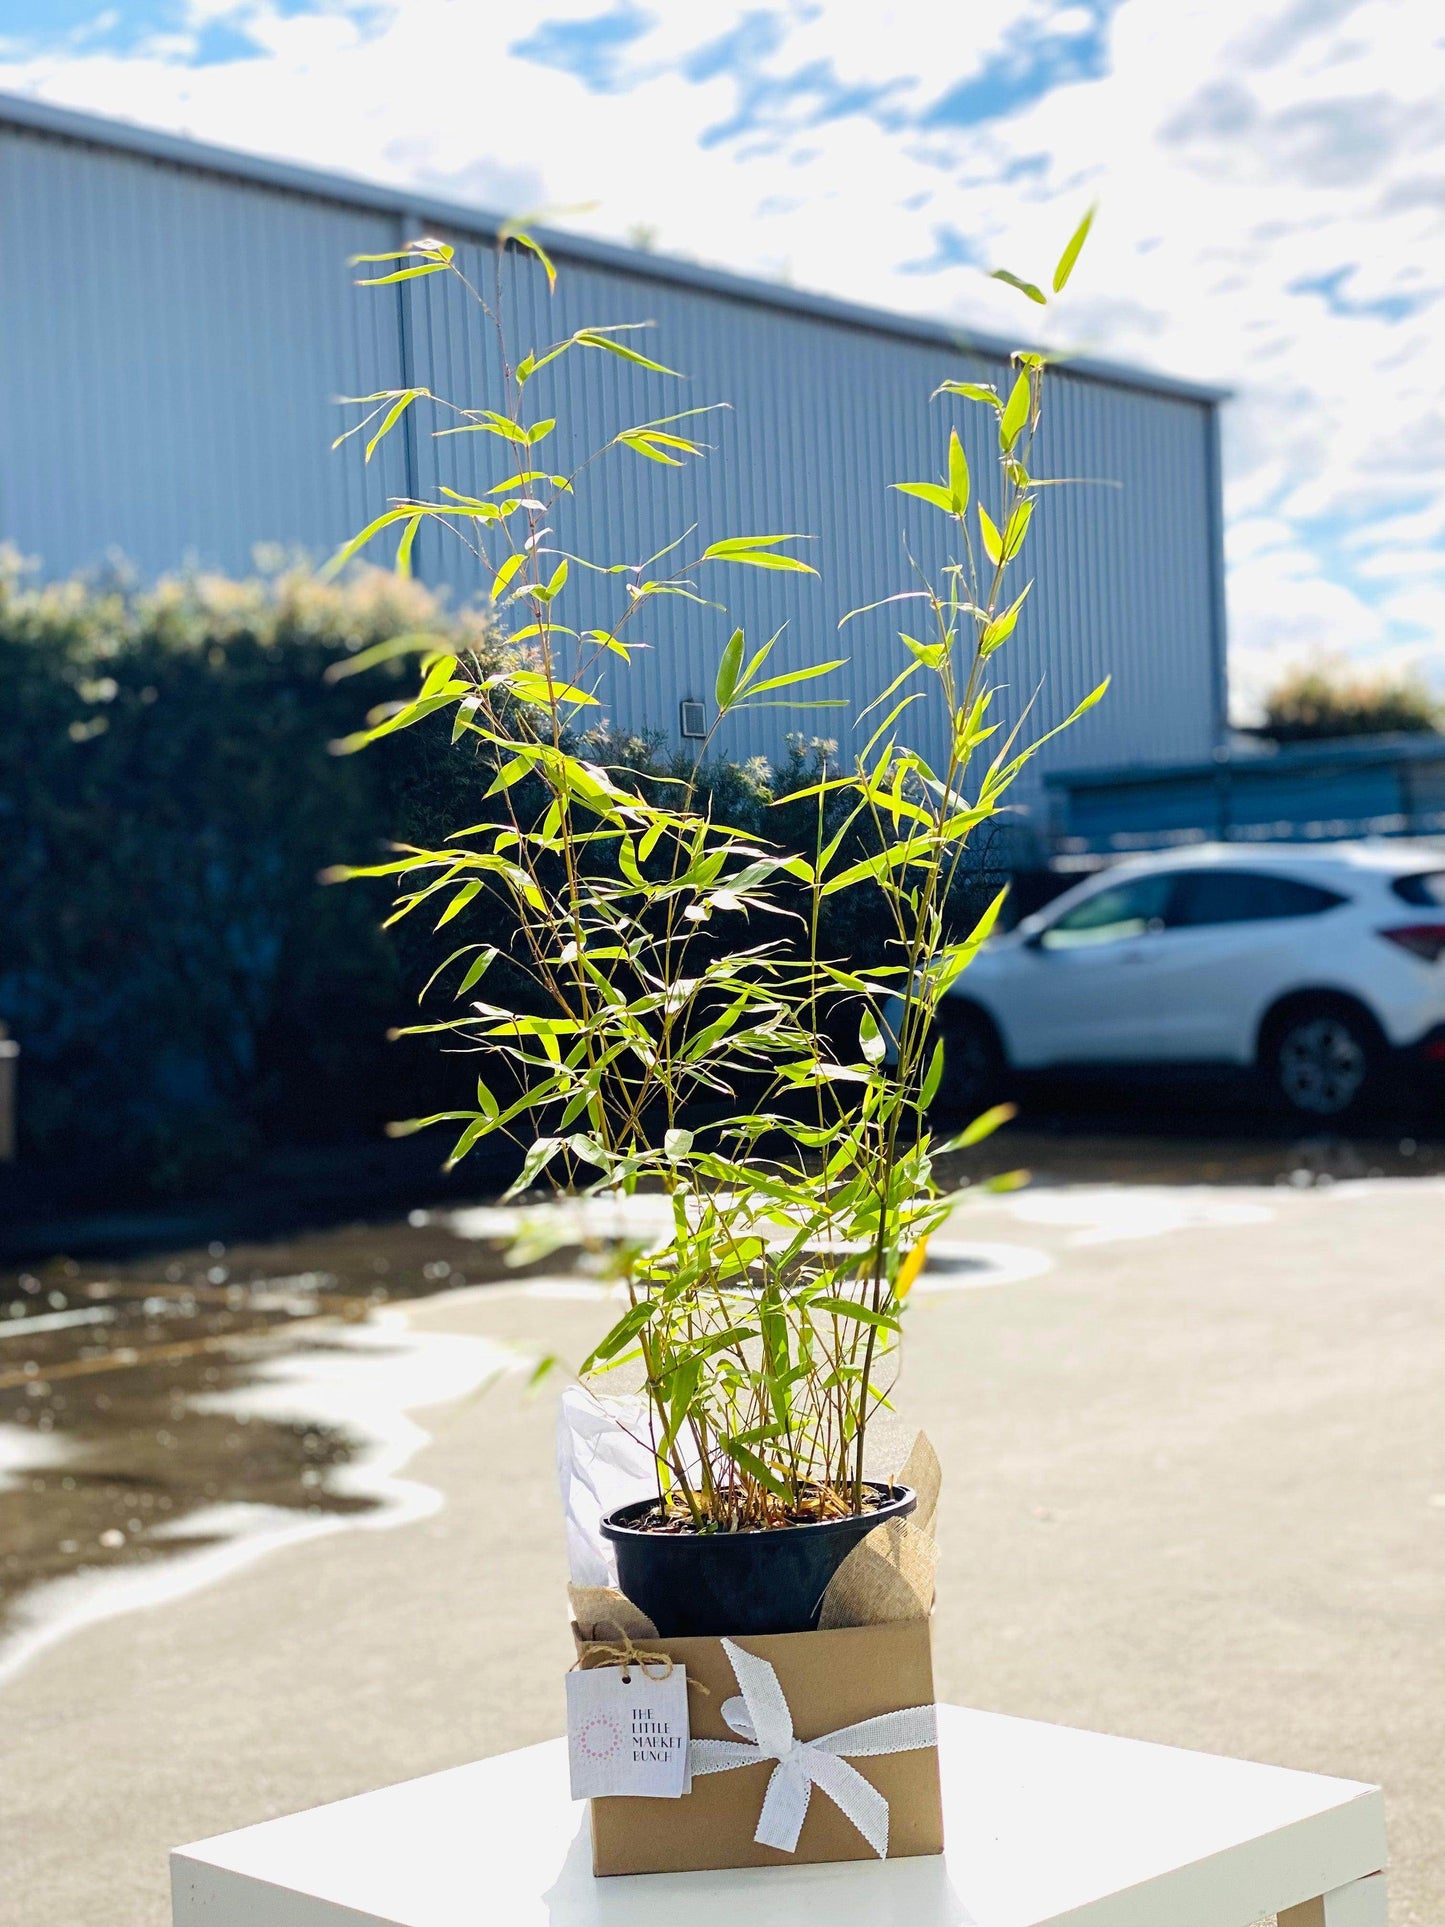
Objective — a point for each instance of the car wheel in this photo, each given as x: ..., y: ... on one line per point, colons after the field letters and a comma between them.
x: 973, y: 1061
x: 1323, y: 1060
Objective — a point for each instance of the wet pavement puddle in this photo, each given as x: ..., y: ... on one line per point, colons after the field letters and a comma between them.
x: 164, y: 1419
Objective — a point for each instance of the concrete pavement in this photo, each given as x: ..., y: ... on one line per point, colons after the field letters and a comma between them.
x: 1194, y: 1492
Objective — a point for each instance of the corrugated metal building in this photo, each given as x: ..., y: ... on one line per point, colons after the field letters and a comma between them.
x: 177, y: 320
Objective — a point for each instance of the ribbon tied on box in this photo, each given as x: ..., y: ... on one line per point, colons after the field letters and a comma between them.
x: 764, y: 1725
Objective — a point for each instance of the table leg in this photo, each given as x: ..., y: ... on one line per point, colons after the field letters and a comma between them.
x: 1361, y: 1904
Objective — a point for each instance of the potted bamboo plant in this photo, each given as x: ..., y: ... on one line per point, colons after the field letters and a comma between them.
x: 680, y: 1027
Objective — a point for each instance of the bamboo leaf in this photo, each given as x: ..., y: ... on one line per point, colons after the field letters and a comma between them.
x: 602, y: 338
x: 400, y: 254
x: 755, y: 662
x: 524, y: 240
x: 929, y: 654
x: 474, y: 972
x: 851, y: 1308
x: 477, y: 969
x: 1016, y: 413
x: 933, y: 1077
x: 402, y: 274
x: 460, y: 901
x: 479, y: 1128
x: 395, y: 412
x: 403, y: 719
x: 750, y: 1463
x: 1071, y: 253
x: 403, y: 548
x: 947, y: 965
x: 640, y: 445
x: 997, y: 632
x: 728, y: 670
x: 409, y: 1126
x: 537, y: 1159
x: 797, y: 675
x: 930, y: 492
x: 379, y: 652
x: 628, y: 1326
x: 358, y: 542
x: 904, y: 595
x: 531, y: 686
x: 971, y: 390
x: 981, y: 1127
x: 756, y: 552
x: 1017, y: 529
x: 1024, y: 287
x: 506, y: 572
x: 957, y: 474
x: 870, y: 1038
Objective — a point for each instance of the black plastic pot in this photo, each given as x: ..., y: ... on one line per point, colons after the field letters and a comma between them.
x: 696, y: 1583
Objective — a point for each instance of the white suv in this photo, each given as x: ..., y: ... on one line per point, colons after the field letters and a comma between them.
x: 1319, y: 964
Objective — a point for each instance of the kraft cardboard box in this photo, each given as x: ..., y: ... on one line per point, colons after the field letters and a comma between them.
x: 830, y: 1680
x: 872, y: 1656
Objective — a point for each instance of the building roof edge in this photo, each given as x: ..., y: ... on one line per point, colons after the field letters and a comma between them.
x: 349, y: 190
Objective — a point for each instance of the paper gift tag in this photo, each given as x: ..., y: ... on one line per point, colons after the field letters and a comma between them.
x: 627, y: 1734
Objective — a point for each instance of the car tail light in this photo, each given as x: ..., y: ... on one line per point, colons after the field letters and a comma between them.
x: 1426, y: 940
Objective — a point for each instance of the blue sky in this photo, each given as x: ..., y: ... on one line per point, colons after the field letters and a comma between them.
x: 1271, y: 175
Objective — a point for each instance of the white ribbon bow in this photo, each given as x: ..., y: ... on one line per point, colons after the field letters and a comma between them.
x: 762, y: 1719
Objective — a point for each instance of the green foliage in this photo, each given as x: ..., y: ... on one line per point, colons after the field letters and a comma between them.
x: 683, y: 1019
x: 1332, y: 698
x: 185, y: 991
x: 167, y: 798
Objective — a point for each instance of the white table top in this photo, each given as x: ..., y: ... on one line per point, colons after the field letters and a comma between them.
x: 1045, y: 1825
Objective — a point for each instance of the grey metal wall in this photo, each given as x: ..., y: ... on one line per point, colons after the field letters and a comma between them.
x: 173, y: 337
x: 821, y: 419
x: 171, y: 343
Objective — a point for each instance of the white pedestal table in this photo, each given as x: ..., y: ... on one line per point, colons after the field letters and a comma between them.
x: 1046, y: 1826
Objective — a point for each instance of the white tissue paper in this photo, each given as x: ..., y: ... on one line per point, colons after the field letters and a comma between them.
x: 600, y: 1466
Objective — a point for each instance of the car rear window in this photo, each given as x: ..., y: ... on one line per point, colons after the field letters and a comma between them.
x: 1245, y: 896
x: 1427, y: 890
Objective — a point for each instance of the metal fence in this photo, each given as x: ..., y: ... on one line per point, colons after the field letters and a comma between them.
x: 1317, y: 792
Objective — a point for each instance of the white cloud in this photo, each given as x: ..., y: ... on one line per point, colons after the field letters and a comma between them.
x: 1271, y: 173
x: 1393, y: 565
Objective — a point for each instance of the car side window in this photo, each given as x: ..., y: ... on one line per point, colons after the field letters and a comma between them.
x: 1245, y: 896
x: 1428, y: 889
x: 1111, y: 915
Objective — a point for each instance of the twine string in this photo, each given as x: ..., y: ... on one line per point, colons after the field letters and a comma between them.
x: 600, y: 1653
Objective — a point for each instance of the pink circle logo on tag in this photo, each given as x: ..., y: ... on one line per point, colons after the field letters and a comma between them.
x: 600, y: 1737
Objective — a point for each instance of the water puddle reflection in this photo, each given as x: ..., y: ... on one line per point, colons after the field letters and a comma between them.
x: 162, y: 1422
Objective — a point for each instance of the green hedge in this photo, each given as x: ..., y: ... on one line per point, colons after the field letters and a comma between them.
x: 1331, y: 698
x: 183, y: 988
x: 167, y: 800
